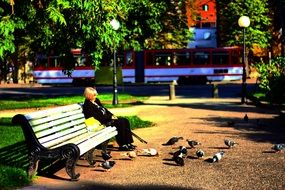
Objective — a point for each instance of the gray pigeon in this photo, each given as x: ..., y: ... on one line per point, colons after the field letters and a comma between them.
x: 181, y: 152
x: 178, y: 158
x: 173, y: 140
x: 200, y: 153
x: 192, y: 143
x: 183, y: 149
x: 108, y: 165
x: 218, y: 156
x: 278, y: 147
x: 230, y: 143
x: 106, y: 155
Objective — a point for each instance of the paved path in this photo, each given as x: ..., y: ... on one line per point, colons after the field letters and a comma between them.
x: 251, y: 165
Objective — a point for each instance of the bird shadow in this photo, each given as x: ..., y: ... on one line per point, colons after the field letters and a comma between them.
x: 218, y: 147
x: 126, y: 159
x: 85, y: 166
x: 209, y: 160
x: 167, y: 159
x: 170, y: 164
x: 141, y: 155
x: 269, y: 151
x: 99, y: 170
x: 192, y: 157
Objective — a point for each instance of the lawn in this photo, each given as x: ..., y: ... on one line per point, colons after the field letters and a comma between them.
x: 35, y: 102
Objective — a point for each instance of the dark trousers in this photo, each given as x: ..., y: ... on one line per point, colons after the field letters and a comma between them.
x: 124, y: 132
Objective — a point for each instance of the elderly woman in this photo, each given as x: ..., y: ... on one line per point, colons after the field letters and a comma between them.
x: 92, y: 107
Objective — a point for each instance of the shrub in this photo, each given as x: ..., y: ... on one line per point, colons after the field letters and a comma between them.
x: 272, y: 79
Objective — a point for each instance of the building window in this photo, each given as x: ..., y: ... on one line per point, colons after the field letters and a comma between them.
x: 205, y: 7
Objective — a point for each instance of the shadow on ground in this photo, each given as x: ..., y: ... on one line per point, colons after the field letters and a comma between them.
x: 92, y: 186
x: 261, y: 129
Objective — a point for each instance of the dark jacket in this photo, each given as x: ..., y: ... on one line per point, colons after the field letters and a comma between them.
x: 98, y: 111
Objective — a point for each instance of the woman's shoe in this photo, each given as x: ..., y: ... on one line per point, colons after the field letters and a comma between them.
x: 125, y: 148
x: 131, y: 146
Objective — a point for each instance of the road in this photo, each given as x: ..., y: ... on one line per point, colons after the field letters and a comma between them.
x: 226, y: 90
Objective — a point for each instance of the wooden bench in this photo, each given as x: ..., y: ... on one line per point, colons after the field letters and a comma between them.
x: 61, y: 134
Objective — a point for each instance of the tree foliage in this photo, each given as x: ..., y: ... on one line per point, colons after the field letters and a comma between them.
x: 56, y: 26
x: 259, y: 32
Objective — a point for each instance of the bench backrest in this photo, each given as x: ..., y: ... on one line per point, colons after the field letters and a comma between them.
x: 57, y: 125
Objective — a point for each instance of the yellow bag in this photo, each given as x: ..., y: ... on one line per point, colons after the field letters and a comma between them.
x: 93, y: 124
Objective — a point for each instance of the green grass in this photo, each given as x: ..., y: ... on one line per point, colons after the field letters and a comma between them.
x: 260, y: 96
x: 13, y: 151
x: 136, y: 122
x: 12, y: 177
x: 38, y: 102
x: 10, y: 134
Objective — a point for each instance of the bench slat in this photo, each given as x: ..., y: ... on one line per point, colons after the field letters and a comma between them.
x: 56, y: 137
x: 53, y: 118
x: 85, y: 136
x: 53, y: 111
x: 48, y: 129
x: 91, y: 143
x: 59, y: 128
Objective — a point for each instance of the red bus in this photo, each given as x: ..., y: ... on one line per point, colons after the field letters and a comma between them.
x: 195, y: 65
x: 49, y: 70
x: 184, y: 65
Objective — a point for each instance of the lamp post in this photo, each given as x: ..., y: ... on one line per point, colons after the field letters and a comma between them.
x: 243, y: 22
x: 115, y: 25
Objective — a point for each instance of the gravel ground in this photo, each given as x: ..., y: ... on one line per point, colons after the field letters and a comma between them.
x: 250, y: 165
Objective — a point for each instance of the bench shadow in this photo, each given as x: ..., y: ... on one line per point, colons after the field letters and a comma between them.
x: 15, y: 155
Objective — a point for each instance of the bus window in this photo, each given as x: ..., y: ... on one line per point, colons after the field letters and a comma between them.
x: 201, y: 58
x: 220, y: 58
x: 236, y: 58
x: 149, y: 58
x: 182, y: 58
x: 129, y: 59
x: 120, y: 59
x: 41, y: 61
x: 163, y: 59
x: 54, y: 61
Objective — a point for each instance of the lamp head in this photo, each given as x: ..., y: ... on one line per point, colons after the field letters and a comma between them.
x: 115, y: 24
x: 243, y: 21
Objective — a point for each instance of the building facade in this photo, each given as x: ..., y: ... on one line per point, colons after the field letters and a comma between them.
x: 202, y: 20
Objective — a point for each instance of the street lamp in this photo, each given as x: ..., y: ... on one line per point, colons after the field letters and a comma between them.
x: 243, y: 22
x: 115, y: 25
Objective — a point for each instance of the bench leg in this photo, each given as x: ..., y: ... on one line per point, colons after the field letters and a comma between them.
x: 90, y: 158
x: 72, y: 155
x: 33, y: 165
x: 105, y: 145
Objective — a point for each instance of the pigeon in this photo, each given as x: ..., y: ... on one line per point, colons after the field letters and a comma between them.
x: 149, y: 152
x: 192, y: 143
x: 106, y: 155
x: 179, y: 159
x: 173, y: 140
x: 218, y: 156
x: 200, y: 153
x: 108, y: 165
x: 278, y: 147
x: 230, y: 143
x: 181, y: 152
x: 131, y: 154
x: 245, y: 118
